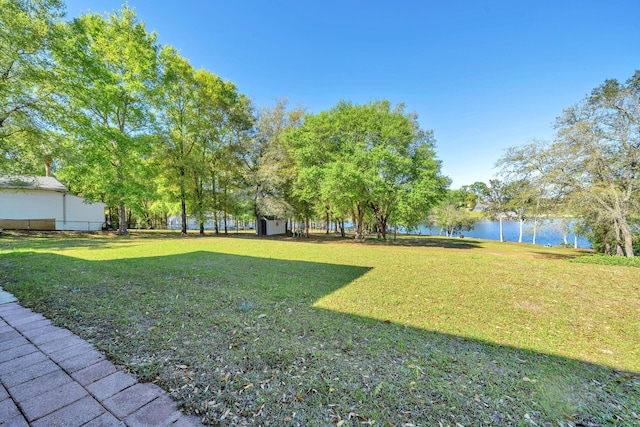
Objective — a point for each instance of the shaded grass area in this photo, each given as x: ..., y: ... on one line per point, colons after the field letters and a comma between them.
x: 282, y: 332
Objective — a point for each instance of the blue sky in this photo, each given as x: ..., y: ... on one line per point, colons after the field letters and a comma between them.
x: 483, y: 75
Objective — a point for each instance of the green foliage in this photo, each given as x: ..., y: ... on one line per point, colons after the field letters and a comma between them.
x: 26, y: 84
x: 372, y: 157
x: 225, y: 121
x: 452, y: 219
x: 269, y: 170
x: 107, y: 74
x: 134, y: 126
x: 590, y: 171
x: 176, y: 158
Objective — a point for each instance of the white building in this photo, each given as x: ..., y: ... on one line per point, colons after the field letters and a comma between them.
x: 175, y: 223
x: 272, y: 225
x: 43, y: 203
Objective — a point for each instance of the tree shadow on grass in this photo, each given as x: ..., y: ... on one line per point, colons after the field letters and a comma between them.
x: 430, y: 242
x: 54, y: 240
x: 248, y: 332
x: 541, y: 253
x: 436, y: 242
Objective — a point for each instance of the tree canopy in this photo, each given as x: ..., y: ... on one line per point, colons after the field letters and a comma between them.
x: 592, y: 169
x: 27, y: 29
x: 121, y: 119
x: 372, y: 157
x: 107, y: 71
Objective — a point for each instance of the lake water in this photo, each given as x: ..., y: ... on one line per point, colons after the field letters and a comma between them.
x: 549, y: 233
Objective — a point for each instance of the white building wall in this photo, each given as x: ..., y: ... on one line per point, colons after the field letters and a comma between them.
x: 70, y: 212
x: 175, y: 223
x: 277, y: 226
x: 80, y: 215
x: 30, y: 204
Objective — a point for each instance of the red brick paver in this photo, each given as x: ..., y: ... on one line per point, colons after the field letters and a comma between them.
x: 50, y: 377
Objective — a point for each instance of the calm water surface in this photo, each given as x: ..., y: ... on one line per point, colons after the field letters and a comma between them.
x: 549, y: 233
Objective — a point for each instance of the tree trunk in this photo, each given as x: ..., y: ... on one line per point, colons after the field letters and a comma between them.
x: 47, y: 166
x: 201, y: 216
x: 501, y: 234
x: 215, y: 221
x: 358, y: 221
x: 183, y: 202
x: 625, y: 238
x: 619, y: 213
x: 258, y: 225
x: 110, y: 224
x: 328, y: 223
x: 123, y: 212
x: 353, y: 222
x: 183, y: 215
x: 123, y: 219
x: 224, y: 213
x: 535, y: 227
x: 381, y: 226
x: 521, y: 227
x: 256, y: 210
x: 342, y: 228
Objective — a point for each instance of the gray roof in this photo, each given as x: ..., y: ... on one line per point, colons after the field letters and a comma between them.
x: 25, y: 182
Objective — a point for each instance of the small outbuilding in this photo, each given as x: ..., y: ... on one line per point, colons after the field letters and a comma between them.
x: 44, y: 203
x: 272, y: 225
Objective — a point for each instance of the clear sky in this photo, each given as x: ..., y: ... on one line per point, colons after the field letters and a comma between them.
x: 484, y: 75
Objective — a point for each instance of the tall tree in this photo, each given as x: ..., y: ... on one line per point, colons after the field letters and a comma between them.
x: 497, y: 199
x: 592, y: 169
x: 369, y: 158
x: 452, y: 218
x: 224, y: 120
x: 108, y: 66
x: 266, y: 160
x: 177, y: 123
x: 26, y: 84
x: 598, y: 151
x: 531, y: 172
x: 523, y: 198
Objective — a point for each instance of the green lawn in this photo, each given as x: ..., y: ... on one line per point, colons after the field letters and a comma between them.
x: 324, y: 331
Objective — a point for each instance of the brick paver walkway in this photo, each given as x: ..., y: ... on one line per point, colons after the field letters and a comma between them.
x: 50, y: 377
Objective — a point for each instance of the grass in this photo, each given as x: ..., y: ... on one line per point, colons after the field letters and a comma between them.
x: 417, y: 331
x: 609, y: 260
